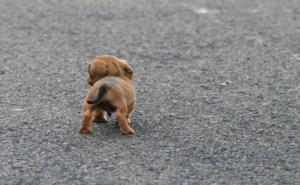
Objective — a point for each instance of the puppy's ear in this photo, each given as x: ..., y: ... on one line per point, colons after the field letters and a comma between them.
x: 89, y: 67
x: 96, y: 71
x: 128, y: 71
x: 89, y: 79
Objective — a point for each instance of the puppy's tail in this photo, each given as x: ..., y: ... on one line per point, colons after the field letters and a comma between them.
x: 102, y: 90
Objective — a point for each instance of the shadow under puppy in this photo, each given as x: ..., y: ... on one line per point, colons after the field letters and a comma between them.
x: 103, y: 66
x: 111, y: 94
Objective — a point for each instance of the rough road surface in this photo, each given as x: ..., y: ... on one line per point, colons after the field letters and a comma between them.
x: 217, y: 84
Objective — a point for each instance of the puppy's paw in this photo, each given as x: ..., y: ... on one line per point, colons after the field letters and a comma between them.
x: 85, y: 131
x: 127, y: 131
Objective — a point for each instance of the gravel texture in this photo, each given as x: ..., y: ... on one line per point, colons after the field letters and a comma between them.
x: 217, y: 84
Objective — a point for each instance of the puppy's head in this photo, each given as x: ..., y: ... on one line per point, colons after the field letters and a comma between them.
x: 107, y: 65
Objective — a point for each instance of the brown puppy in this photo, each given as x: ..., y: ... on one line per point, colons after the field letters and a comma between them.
x: 106, y: 65
x: 112, y: 94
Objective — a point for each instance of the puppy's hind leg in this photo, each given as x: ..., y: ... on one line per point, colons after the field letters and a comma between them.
x: 85, y: 124
x: 123, y: 122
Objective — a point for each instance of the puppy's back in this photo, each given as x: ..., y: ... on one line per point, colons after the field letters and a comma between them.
x: 112, y: 89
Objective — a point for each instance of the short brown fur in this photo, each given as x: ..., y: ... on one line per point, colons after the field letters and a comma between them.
x: 116, y: 76
x: 106, y: 65
x: 119, y: 97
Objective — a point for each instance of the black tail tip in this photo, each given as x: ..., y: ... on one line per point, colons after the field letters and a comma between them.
x: 101, y: 93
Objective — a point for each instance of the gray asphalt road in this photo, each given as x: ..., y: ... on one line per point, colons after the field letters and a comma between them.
x: 217, y: 84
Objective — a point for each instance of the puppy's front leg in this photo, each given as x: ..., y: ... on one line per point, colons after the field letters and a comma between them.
x: 128, y: 118
x: 85, y: 124
x: 129, y: 110
x: 123, y: 122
